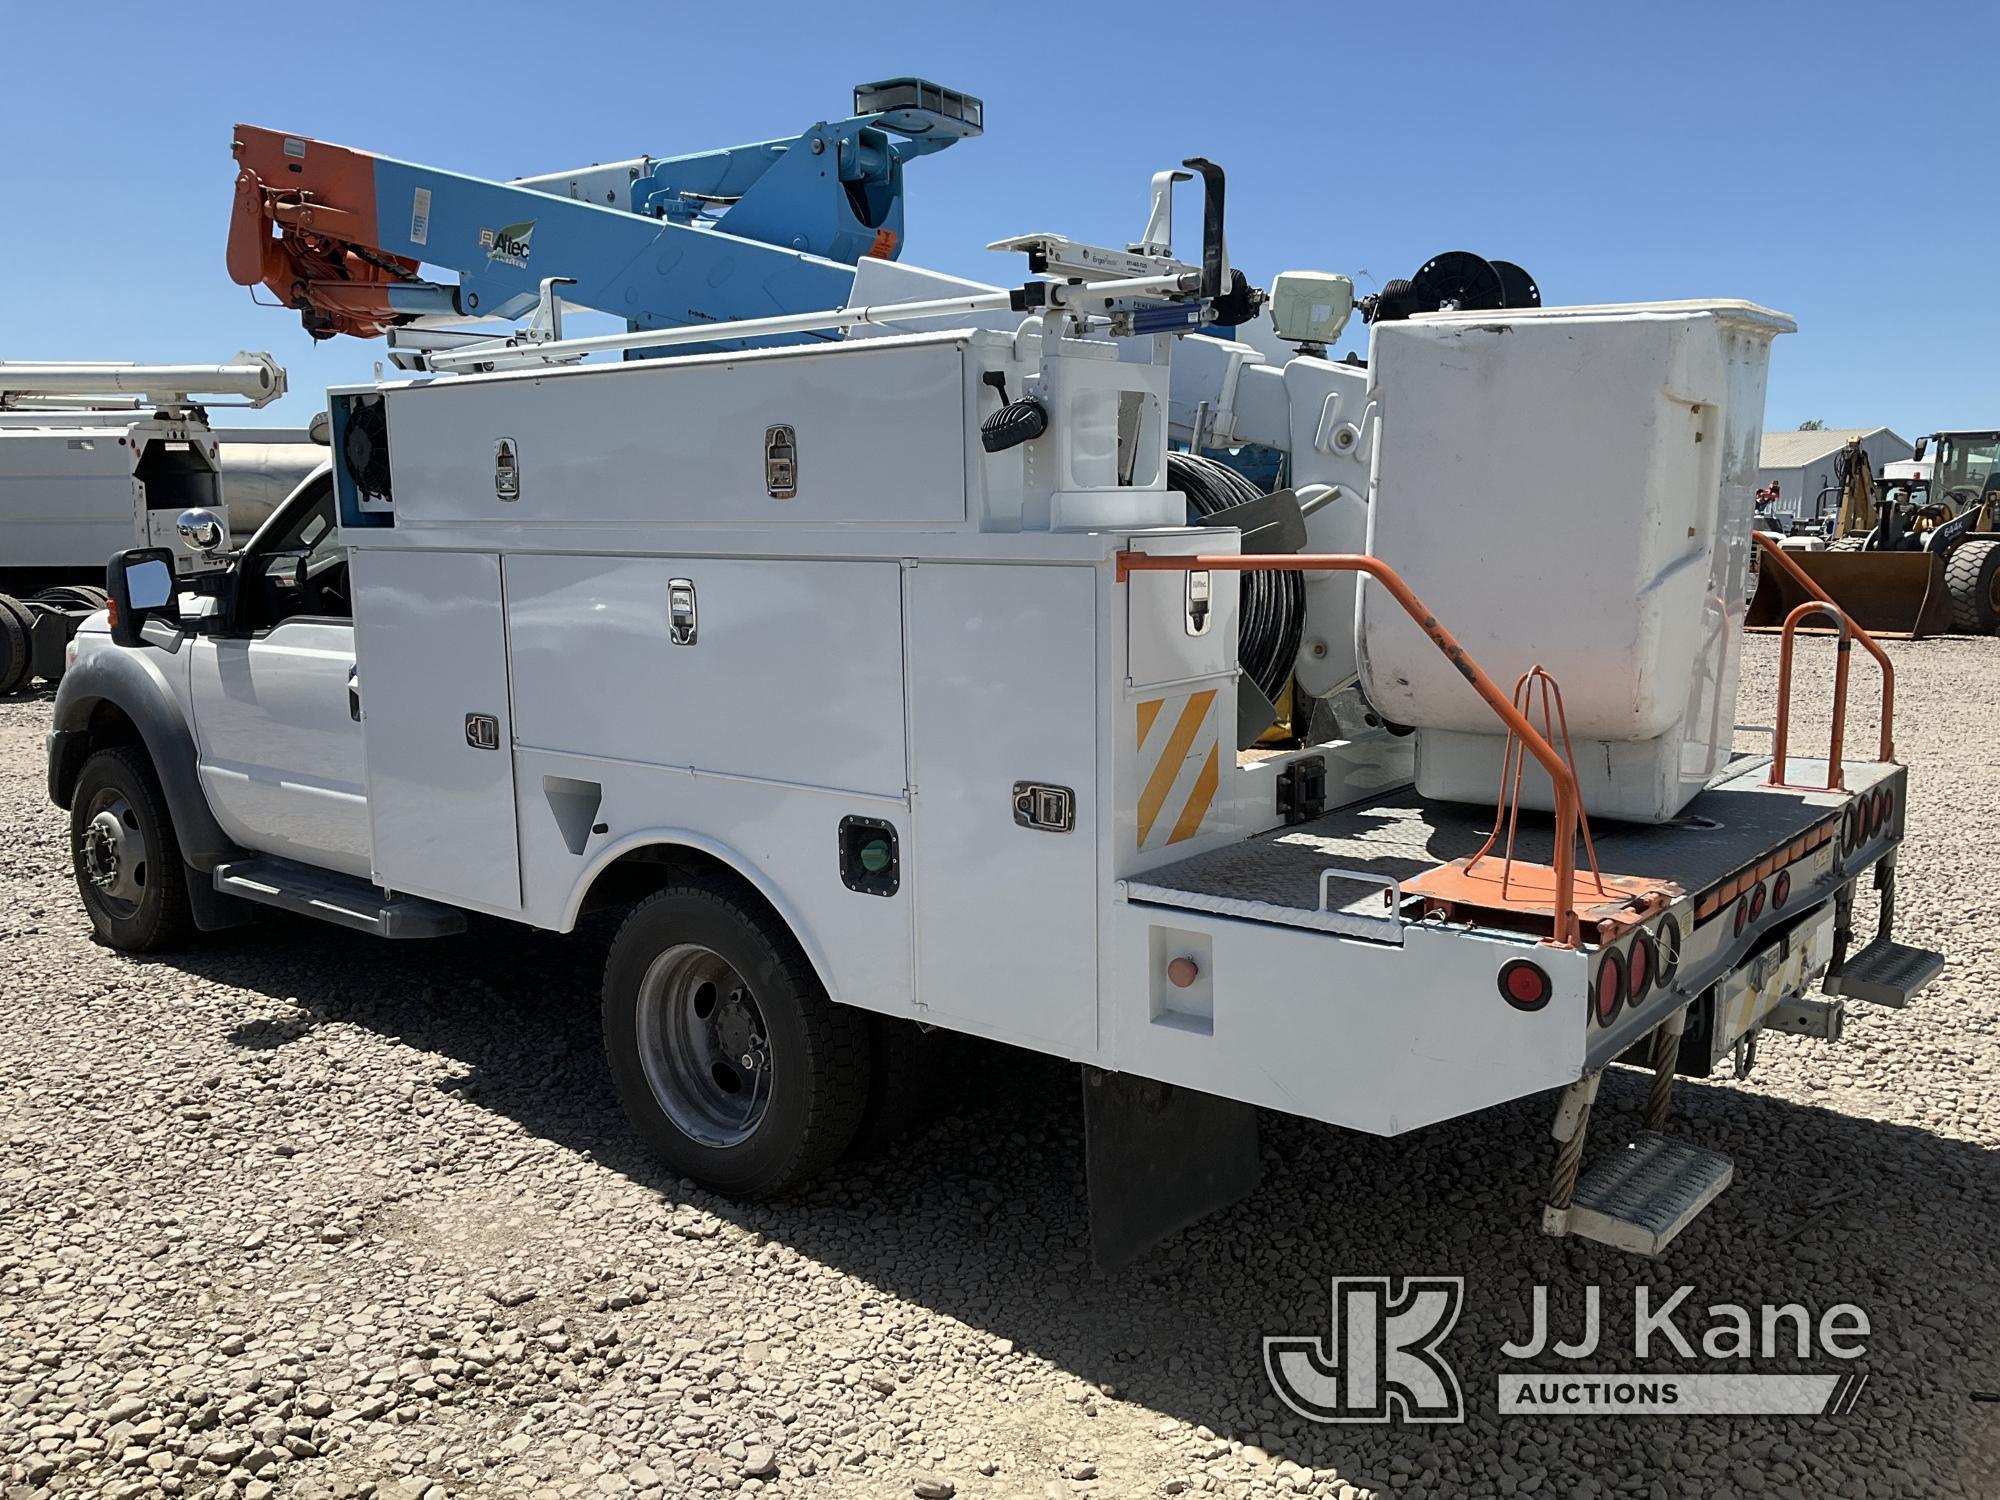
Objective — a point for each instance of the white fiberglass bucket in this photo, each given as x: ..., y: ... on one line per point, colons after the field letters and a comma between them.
x: 1569, y: 487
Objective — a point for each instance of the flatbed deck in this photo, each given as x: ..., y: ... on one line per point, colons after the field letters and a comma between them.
x: 1278, y: 876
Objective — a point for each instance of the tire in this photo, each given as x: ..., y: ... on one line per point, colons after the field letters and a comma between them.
x: 126, y: 858
x: 16, y: 652
x: 1972, y: 579
x: 903, y: 1088
x: 700, y: 980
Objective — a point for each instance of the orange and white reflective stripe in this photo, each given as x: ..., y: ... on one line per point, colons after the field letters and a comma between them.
x: 1180, y: 753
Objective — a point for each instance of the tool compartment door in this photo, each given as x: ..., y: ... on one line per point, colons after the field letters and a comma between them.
x: 1003, y: 691
x: 431, y: 652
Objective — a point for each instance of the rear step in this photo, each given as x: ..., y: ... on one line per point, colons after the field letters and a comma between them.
x: 342, y: 899
x: 1643, y: 1195
x: 1885, y: 973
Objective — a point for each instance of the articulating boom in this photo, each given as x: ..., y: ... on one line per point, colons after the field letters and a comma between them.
x: 743, y: 232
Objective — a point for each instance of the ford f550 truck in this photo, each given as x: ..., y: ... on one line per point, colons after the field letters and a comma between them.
x: 1480, y: 836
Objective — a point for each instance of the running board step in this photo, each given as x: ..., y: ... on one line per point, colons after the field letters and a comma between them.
x: 1644, y: 1194
x: 1885, y: 973
x: 340, y: 899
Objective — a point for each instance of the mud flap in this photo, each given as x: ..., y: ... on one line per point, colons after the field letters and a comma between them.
x: 1896, y: 594
x: 1157, y: 1158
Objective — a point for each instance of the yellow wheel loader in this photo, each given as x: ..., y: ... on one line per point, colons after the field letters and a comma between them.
x: 1916, y: 555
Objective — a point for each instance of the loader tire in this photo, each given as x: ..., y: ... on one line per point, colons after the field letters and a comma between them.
x: 730, y: 1060
x: 16, y: 645
x: 127, y: 860
x: 1972, y: 579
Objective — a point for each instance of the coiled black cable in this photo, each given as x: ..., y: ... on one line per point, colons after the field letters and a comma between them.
x: 1271, y: 605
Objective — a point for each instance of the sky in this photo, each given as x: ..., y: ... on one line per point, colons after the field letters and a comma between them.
x: 1834, y: 161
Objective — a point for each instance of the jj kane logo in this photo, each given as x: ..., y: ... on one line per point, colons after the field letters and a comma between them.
x: 508, y: 245
x: 1380, y: 1359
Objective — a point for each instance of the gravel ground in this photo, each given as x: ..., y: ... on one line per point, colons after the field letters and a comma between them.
x: 301, y: 1213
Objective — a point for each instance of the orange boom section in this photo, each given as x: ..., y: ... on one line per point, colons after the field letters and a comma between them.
x: 304, y: 225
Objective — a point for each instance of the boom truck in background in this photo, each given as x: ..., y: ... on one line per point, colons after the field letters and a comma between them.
x: 508, y: 662
x: 96, y: 458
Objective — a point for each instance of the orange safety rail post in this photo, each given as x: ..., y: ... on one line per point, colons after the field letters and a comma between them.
x: 1569, y: 796
x: 1836, y: 778
x: 1868, y: 642
x: 1513, y: 761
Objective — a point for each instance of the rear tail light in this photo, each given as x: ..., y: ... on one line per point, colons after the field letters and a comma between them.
x: 1781, y: 890
x: 1756, y: 903
x: 1850, y: 827
x: 1610, y: 992
x: 1742, y: 914
x: 1524, y: 985
x: 1641, y: 964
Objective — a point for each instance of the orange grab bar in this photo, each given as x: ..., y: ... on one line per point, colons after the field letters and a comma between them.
x: 1869, y: 644
x: 1835, y: 777
x: 1569, y: 797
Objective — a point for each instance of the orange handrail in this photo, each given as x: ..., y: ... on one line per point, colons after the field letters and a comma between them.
x: 1569, y: 796
x: 1836, y: 778
x: 1803, y: 579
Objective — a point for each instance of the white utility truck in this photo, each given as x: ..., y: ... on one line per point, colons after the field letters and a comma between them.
x: 94, y: 459
x: 513, y: 657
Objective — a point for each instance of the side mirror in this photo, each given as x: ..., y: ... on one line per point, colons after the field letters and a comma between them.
x: 142, y: 587
x: 1922, y: 444
x: 203, y: 531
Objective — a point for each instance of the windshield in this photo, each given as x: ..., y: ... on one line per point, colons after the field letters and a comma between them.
x: 1967, y: 461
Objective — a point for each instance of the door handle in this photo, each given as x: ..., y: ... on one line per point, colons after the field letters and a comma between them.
x: 354, y: 694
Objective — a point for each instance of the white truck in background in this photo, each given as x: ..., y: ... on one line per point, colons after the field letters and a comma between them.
x: 95, y: 459
x: 513, y: 658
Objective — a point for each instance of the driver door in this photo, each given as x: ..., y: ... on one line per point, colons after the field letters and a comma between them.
x: 277, y: 709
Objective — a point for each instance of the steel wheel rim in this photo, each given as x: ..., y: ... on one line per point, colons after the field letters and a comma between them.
x: 704, y: 1046
x: 116, y: 860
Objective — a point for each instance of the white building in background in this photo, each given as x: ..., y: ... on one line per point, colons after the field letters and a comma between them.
x: 1804, y: 463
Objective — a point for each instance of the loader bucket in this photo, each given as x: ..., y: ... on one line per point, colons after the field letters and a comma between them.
x: 1896, y: 594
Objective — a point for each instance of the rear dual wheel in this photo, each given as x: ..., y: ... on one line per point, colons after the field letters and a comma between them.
x: 730, y: 1060
x: 16, y: 645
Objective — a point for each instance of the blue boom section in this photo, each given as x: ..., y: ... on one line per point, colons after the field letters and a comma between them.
x: 654, y: 273
x: 743, y: 232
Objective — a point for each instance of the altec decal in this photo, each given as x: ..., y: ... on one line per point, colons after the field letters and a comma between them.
x: 1180, y: 750
x: 508, y: 245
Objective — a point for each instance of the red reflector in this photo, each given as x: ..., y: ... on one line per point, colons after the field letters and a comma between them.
x: 1610, y: 988
x: 1742, y: 915
x: 1781, y: 890
x: 1757, y: 903
x: 1639, y: 969
x: 1524, y: 986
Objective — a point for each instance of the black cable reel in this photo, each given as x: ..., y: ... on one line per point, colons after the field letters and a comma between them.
x: 1456, y: 281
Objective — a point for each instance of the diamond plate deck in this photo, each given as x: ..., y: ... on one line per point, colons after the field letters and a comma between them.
x: 1639, y: 1198
x: 1276, y: 875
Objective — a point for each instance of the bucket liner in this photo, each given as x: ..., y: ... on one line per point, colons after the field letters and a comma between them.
x: 1897, y: 594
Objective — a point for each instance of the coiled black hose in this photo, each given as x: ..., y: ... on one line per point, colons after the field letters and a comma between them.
x: 1271, y: 605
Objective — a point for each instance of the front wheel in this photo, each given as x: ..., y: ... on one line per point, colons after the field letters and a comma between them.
x: 127, y: 860
x: 728, y: 1057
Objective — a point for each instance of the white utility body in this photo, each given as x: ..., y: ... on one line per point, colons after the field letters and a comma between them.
x: 779, y: 617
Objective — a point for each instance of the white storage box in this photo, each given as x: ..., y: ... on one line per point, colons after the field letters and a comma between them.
x: 1570, y: 487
